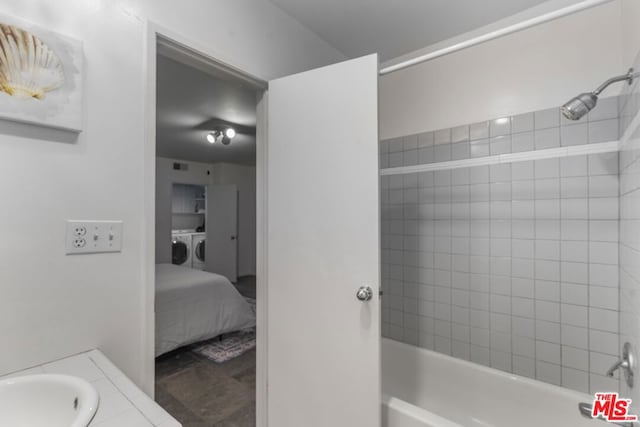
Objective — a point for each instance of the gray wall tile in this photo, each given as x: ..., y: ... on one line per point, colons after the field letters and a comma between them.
x: 522, y: 123
x: 547, y: 118
x: 577, y: 134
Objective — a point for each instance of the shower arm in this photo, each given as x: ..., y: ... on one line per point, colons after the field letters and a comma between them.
x: 625, y: 77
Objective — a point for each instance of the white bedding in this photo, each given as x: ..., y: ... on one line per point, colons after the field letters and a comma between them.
x: 193, y: 305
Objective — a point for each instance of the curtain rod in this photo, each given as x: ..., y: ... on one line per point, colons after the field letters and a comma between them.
x: 587, y: 4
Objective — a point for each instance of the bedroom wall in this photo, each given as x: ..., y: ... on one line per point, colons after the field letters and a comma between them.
x: 54, y: 305
x: 220, y: 173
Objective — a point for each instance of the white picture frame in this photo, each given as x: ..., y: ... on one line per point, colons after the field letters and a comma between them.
x: 41, y: 76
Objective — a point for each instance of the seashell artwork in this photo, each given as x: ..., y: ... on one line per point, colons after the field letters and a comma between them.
x: 40, y: 76
x: 28, y: 67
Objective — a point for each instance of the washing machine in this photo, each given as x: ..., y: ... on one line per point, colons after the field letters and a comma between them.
x: 181, y: 249
x: 197, y: 254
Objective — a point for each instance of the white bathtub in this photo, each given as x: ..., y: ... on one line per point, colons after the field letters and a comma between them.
x: 422, y: 388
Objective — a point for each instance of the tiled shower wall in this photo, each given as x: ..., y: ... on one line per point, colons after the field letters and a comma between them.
x: 630, y: 226
x: 513, y: 266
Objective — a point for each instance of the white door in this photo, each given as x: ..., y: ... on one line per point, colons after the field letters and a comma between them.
x: 323, y: 353
x: 221, y: 246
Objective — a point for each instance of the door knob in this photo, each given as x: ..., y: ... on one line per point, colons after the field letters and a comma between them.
x: 365, y: 293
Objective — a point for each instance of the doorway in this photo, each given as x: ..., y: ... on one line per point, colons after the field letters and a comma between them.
x: 318, y: 253
x: 205, y: 238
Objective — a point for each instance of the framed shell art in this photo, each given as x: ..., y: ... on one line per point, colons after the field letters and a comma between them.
x: 40, y: 76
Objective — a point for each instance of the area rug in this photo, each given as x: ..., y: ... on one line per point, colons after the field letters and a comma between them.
x: 231, y: 345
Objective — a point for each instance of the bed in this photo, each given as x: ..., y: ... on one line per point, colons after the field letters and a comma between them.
x: 193, y: 305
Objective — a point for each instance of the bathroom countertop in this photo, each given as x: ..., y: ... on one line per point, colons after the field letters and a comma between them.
x: 122, y: 403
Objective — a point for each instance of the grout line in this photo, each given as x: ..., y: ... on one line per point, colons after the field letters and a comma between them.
x: 127, y: 396
x: 550, y: 153
x: 535, y: 296
x: 589, y: 273
x: 626, y: 139
x: 562, y: 356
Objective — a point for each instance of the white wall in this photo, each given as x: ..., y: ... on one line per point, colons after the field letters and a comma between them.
x: 220, y: 173
x: 534, y: 69
x: 630, y: 32
x: 54, y: 305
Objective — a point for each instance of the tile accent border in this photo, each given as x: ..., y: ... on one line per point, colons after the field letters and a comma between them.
x: 551, y: 153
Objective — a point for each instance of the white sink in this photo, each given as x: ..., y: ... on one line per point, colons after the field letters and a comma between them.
x: 47, y: 401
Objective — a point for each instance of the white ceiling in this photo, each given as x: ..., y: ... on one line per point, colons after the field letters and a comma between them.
x: 186, y: 99
x: 395, y: 27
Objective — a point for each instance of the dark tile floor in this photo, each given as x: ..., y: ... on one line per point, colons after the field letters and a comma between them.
x: 201, y: 393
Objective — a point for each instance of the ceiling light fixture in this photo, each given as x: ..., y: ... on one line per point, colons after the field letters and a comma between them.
x: 223, y: 134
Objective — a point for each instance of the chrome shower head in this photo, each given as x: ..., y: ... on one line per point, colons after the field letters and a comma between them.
x: 579, y: 106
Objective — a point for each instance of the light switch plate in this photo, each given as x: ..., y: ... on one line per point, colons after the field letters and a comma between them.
x: 91, y: 237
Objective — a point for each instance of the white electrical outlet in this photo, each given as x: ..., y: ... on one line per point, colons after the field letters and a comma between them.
x: 90, y: 237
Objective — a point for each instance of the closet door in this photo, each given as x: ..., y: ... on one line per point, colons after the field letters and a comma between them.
x: 323, y: 259
x: 221, y: 246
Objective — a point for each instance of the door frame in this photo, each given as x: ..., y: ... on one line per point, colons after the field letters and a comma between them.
x: 197, y: 55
